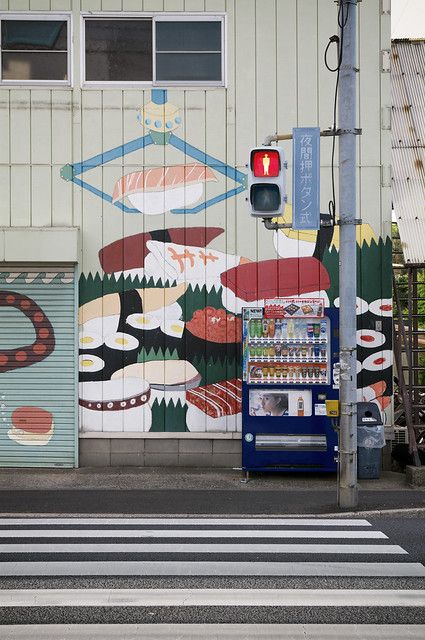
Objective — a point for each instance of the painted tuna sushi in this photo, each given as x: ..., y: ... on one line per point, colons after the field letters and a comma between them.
x: 247, y: 285
x: 161, y: 189
x: 129, y: 253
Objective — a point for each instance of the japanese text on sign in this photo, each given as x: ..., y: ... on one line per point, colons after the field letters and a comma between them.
x: 306, y: 178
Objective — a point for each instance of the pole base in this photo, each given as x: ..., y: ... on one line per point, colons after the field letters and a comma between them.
x: 348, y: 497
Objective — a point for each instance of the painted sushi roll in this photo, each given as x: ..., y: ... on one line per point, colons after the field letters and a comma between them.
x: 382, y: 307
x: 369, y: 339
x: 248, y: 285
x: 378, y: 361
x: 168, y: 379
x: 184, y: 263
x: 161, y: 189
x: 215, y: 407
x: 128, y: 254
x: 115, y: 405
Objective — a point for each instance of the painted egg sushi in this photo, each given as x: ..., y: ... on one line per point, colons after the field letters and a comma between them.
x: 160, y: 189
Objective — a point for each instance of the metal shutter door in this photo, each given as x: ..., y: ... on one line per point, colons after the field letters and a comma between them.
x: 38, y: 381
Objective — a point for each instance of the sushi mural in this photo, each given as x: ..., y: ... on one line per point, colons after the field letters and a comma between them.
x: 159, y: 319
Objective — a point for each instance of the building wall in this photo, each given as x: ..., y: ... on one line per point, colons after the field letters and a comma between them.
x: 276, y: 80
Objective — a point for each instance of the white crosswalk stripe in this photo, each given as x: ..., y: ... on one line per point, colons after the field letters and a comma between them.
x: 164, y: 549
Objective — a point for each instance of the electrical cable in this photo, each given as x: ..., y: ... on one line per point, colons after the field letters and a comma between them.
x: 339, y: 40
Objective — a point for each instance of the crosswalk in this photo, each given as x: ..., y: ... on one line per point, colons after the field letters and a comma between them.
x: 243, y: 570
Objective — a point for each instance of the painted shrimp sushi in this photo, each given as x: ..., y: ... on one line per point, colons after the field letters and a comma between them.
x: 160, y: 189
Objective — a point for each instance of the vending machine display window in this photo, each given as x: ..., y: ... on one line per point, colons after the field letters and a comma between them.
x: 279, y: 403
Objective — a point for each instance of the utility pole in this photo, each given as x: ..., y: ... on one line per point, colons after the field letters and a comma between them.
x: 348, y: 488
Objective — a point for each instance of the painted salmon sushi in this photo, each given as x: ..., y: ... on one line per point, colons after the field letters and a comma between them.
x: 161, y: 189
x: 129, y: 253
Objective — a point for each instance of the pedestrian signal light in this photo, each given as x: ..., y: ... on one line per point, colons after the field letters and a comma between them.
x: 266, y: 182
x: 265, y: 163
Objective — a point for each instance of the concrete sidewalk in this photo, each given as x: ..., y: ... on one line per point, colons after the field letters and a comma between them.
x: 153, y: 478
x: 159, y: 491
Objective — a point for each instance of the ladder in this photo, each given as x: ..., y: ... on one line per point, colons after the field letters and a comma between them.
x: 409, y: 350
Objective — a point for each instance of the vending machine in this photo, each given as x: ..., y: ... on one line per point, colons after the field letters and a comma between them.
x: 290, y: 386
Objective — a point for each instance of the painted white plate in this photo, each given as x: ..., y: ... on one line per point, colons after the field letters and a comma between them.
x: 370, y: 339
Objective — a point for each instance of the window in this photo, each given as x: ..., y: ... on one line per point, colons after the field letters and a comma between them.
x: 160, y: 50
x: 35, y: 50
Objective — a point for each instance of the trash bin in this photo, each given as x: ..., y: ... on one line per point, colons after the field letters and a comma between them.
x: 370, y: 440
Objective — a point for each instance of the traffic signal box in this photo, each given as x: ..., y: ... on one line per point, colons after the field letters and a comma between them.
x: 266, y: 182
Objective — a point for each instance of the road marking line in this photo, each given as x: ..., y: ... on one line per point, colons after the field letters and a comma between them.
x: 213, y: 631
x: 347, y: 549
x: 189, y: 533
x: 212, y: 597
x: 171, y: 568
x: 290, y: 522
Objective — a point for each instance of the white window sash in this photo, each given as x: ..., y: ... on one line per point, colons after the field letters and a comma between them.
x: 40, y: 16
x: 154, y: 17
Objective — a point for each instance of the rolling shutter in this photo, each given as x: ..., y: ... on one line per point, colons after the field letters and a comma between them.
x: 38, y: 381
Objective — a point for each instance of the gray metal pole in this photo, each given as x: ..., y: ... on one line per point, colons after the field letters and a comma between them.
x: 348, y: 488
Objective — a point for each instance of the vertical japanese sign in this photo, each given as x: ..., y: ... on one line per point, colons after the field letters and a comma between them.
x: 306, y: 178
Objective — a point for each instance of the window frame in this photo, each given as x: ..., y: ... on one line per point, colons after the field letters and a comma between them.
x: 65, y: 16
x: 163, y: 16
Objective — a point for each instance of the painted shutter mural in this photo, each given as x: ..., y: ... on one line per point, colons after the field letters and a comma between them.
x: 38, y: 426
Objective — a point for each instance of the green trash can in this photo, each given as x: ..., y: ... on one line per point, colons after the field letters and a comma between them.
x: 370, y: 440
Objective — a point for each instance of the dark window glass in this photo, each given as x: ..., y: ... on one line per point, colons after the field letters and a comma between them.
x: 34, y: 50
x: 188, y: 51
x: 48, y: 35
x: 193, y: 67
x: 118, y: 50
x: 188, y: 36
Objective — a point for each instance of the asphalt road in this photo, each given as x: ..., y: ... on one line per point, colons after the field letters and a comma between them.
x: 407, y: 532
x: 192, y: 501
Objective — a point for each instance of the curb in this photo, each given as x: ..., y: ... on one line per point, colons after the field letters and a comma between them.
x: 410, y: 511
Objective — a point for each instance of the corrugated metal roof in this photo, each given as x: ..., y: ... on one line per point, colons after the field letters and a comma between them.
x: 408, y: 145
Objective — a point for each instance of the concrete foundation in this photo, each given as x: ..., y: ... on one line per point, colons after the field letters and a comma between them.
x: 415, y: 476
x: 160, y: 452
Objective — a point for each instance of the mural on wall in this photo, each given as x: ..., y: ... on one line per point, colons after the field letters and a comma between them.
x: 29, y: 425
x: 160, y: 330
x: 44, y: 342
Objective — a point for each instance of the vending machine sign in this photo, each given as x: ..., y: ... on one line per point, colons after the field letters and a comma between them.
x: 294, y: 308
